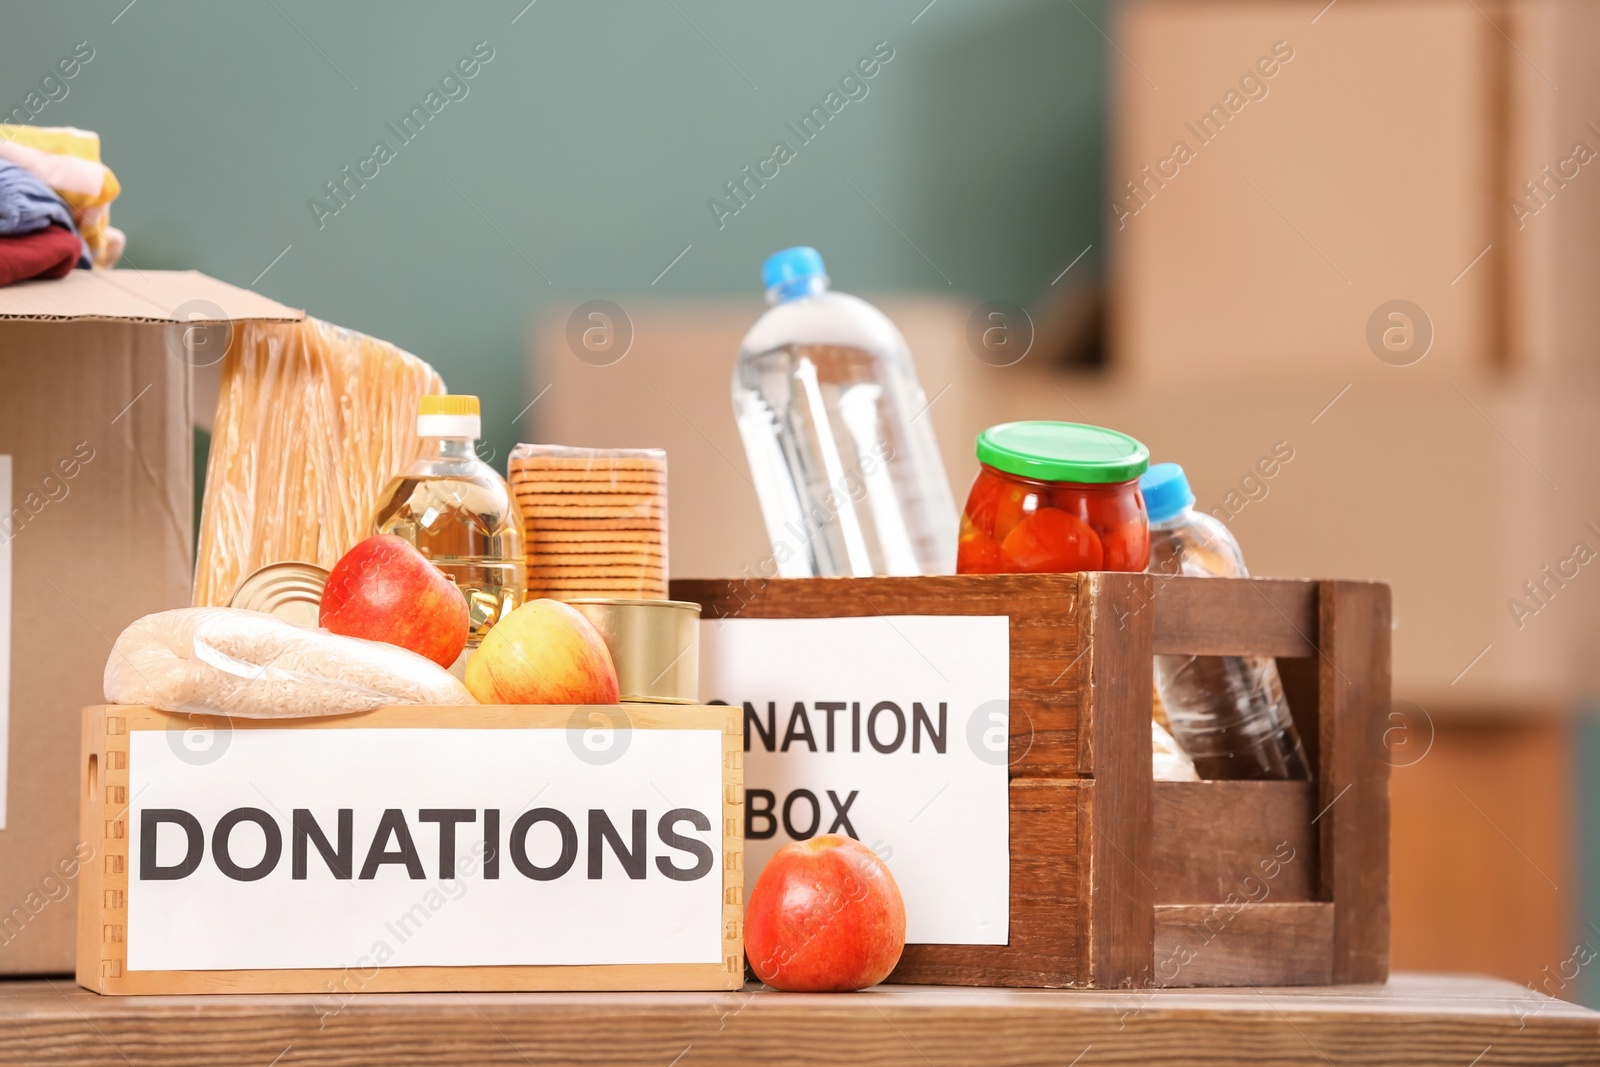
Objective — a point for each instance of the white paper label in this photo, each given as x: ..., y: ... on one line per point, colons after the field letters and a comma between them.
x: 890, y: 729
x: 6, y: 534
x: 555, y: 890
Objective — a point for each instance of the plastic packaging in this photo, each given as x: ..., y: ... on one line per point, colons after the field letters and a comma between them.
x: 312, y: 421
x: 458, y: 512
x: 1055, y: 497
x: 834, y: 425
x: 227, y: 661
x: 1228, y: 712
x: 1168, y: 762
x: 594, y: 520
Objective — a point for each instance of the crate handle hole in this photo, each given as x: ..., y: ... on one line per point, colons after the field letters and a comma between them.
x: 94, y: 775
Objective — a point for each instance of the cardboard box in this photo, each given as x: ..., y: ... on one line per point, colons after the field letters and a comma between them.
x: 96, y: 475
x: 1414, y: 150
x: 1457, y: 490
x: 1551, y: 231
x: 1334, y: 158
x: 672, y: 388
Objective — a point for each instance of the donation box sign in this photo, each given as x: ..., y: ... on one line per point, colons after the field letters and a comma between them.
x: 289, y: 845
x: 889, y: 729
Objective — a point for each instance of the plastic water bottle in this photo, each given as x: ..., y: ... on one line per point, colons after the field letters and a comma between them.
x: 1228, y: 712
x: 834, y: 424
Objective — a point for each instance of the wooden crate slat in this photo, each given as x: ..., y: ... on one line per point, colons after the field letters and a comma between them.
x: 1045, y: 643
x: 103, y: 879
x: 1302, y: 688
x: 1116, y: 825
x: 1353, y: 775
x: 1246, y: 944
x: 1046, y: 876
x: 1255, y: 617
x: 1213, y: 839
x: 335, y: 984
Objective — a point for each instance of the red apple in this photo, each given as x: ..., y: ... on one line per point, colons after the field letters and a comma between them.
x: 385, y: 590
x: 825, y: 917
x: 545, y: 652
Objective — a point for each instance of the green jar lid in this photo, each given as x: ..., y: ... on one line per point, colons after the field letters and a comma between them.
x: 1062, y: 452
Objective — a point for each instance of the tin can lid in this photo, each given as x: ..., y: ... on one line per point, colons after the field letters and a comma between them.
x: 291, y: 590
x: 624, y: 601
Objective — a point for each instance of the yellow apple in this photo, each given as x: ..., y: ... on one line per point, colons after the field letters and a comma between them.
x: 544, y: 652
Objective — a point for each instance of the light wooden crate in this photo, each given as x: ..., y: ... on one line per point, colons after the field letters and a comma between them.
x: 106, y: 817
x: 1119, y: 881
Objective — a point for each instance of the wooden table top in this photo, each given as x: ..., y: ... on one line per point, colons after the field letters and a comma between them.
x: 1453, y: 1021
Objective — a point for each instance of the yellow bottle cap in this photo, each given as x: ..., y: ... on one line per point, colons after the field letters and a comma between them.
x: 451, y: 404
x: 449, y: 416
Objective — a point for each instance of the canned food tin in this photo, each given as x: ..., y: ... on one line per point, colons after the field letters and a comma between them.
x: 655, y: 645
x: 291, y: 591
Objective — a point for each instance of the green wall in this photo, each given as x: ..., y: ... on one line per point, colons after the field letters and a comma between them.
x: 592, y: 141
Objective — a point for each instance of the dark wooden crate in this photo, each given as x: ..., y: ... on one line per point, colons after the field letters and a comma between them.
x: 1118, y: 881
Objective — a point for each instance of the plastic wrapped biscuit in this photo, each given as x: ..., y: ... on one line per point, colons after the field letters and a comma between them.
x: 312, y: 421
x: 594, y: 520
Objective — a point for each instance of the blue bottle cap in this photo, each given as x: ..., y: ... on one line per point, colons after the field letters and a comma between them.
x: 791, y: 272
x: 1166, y: 491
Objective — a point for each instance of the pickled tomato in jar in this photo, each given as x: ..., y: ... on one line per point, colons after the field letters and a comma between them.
x: 1054, y: 497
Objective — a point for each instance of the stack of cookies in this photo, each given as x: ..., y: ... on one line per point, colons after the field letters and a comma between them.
x: 594, y: 520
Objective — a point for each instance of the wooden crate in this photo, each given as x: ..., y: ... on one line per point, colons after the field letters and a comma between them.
x: 113, y: 814
x: 1119, y: 881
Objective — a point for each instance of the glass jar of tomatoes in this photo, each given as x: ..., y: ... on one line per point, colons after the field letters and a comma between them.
x: 1054, y: 497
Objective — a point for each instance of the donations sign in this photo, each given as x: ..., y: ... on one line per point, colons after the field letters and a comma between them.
x: 889, y: 729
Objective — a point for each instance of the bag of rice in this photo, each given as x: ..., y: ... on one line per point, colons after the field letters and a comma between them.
x: 227, y: 661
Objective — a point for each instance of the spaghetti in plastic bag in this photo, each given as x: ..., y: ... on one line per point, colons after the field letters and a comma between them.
x: 312, y: 421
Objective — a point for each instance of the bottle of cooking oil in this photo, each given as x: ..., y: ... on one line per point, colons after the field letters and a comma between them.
x: 459, y: 512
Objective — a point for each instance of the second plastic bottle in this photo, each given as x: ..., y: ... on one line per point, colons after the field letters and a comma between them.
x: 835, y: 427
x: 1228, y: 712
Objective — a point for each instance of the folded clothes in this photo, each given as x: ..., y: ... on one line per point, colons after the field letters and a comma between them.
x: 68, y: 160
x: 27, y: 204
x: 48, y: 253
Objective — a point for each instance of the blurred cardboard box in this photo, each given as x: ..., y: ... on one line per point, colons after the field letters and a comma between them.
x: 1281, y: 171
x: 96, y: 489
x: 1302, y: 165
x: 668, y: 383
x: 1461, y: 492
x: 1550, y: 179
x: 1282, y: 176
